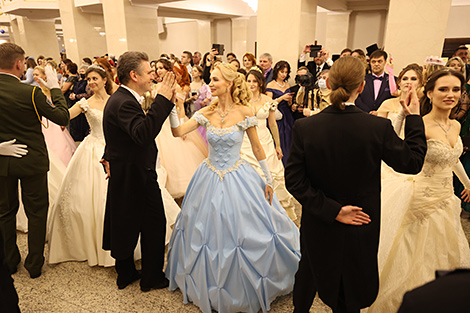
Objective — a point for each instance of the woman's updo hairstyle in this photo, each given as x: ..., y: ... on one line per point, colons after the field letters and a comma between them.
x: 418, y: 69
x: 425, y: 102
x: 240, y: 91
x: 167, y: 65
x: 346, y: 75
x: 104, y: 74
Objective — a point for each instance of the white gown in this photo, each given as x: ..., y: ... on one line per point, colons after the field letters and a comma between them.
x: 430, y: 236
x: 75, y: 229
x: 275, y: 165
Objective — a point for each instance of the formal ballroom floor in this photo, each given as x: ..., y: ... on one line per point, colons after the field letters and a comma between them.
x: 78, y: 288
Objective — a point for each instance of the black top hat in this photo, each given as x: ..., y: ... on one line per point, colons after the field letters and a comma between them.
x: 372, y: 48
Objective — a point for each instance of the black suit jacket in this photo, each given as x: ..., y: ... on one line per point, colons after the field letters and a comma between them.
x: 366, y: 100
x: 269, y: 77
x: 340, y: 165
x: 132, y: 153
x: 445, y: 294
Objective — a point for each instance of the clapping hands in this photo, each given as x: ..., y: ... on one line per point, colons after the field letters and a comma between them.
x: 411, y: 103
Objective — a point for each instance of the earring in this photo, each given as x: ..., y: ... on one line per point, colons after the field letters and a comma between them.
x: 228, y: 89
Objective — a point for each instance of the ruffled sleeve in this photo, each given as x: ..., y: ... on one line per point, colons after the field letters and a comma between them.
x: 84, y: 104
x: 272, y: 105
x: 201, y: 119
x: 248, y: 122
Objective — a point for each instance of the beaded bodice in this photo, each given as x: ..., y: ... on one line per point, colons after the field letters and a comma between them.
x: 441, y: 157
x: 94, y: 118
x: 224, y: 144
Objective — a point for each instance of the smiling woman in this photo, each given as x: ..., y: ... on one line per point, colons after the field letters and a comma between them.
x: 430, y: 236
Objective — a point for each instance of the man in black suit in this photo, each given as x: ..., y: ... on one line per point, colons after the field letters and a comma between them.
x: 316, y: 64
x: 134, y: 204
x: 377, y: 88
x: 335, y: 175
x: 448, y: 293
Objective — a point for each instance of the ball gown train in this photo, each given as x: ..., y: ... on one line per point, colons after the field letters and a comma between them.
x: 75, y: 230
x: 230, y: 250
x: 430, y: 236
x: 275, y: 165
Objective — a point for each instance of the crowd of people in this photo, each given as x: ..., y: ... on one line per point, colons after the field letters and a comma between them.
x: 207, y: 155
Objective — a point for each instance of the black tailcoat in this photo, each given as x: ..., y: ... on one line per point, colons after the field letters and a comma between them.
x: 335, y: 160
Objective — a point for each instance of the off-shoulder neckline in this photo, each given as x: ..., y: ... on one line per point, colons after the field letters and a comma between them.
x: 228, y: 127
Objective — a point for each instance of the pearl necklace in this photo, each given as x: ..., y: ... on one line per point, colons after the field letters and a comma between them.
x: 442, y: 127
x: 222, y: 116
x: 282, y: 86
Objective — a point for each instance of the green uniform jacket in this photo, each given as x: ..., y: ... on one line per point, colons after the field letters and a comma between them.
x: 18, y: 120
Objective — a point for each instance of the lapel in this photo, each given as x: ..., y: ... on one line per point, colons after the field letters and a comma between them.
x: 383, y: 86
x: 369, y: 88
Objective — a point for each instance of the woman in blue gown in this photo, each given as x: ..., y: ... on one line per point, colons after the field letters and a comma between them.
x: 233, y: 247
x: 279, y: 90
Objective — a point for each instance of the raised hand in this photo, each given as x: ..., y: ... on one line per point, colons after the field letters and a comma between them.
x: 168, y: 86
x: 411, y: 103
x: 352, y: 215
x: 9, y: 148
x: 51, y: 78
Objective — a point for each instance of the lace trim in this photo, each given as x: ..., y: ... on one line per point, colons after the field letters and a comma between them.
x: 84, y: 105
x: 226, y: 171
x: 248, y: 122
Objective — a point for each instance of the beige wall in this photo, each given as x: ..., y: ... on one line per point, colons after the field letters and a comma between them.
x: 179, y: 37
x: 458, y: 25
x: 366, y: 28
x: 417, y: 32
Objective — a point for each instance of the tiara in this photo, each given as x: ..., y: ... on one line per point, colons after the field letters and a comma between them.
x: 434, y: 60
x: 96, y: 66
x: 255, y: 68
x: 227, y: 66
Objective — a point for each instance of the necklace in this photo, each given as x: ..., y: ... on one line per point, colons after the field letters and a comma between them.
x: 259, y: 98
x: 222, y: 116
x: 442, y: 127
x: 283, y: 84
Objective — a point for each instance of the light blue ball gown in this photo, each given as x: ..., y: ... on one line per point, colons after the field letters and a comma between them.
x: 230, y: 250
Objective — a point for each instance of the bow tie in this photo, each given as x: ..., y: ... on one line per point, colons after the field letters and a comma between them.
x: 379, y: 78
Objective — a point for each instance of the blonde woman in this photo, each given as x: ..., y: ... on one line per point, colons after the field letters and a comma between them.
x: 233, y: 247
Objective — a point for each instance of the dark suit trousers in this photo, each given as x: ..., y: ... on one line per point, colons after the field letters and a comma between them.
x: 152, y: 238
x: 305, y: 287
x: 8, y: 295
x: 35, y: 198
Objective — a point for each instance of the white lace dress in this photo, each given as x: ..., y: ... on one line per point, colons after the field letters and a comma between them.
x: 275, y: 165
x: 430, y: 237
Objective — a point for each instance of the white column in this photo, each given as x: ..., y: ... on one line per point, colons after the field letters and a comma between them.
x: 84, y: 33
x: 131, y: 27
x: 284, y: 27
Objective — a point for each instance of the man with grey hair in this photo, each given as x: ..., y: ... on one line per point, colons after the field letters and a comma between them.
x: 266, y: 64
x: 134, y: 204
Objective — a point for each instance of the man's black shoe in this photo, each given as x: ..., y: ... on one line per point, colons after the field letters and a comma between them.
x: 123, y: 283
x: 163, y: 284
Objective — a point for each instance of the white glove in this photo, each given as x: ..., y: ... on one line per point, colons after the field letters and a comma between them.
x: 9, y: 148
x: 174, y: 120
x: 266, y: 172
x: 51, y: 75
